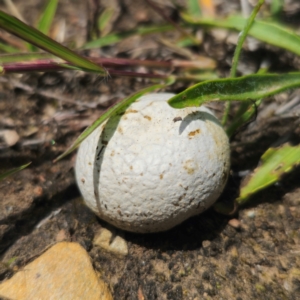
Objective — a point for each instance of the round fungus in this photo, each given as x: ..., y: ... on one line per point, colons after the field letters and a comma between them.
x: 151, y: 167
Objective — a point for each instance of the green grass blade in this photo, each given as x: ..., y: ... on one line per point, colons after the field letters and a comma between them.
x: 251, y: 87
x: 242, y: 36
x: 47, y: 17
x: 276, y: 7
x: 46, y: 20
x: 266, y: 31
x: 245, y: 112
x: 40, y: 40
x: 117, y: 37
x: 275, y: 162
x: 238, y: 49
x: 105, y: 18
x: 8, y: 48
x: 13, y: 171
x: 117, y: 108
x: 243, y: 119
x: 193, y: 8
x: 23, y: 57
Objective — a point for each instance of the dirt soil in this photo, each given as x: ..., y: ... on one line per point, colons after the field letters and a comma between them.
x: 253, y: 254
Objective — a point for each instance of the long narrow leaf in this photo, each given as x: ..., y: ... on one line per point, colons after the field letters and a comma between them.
x: 23, y: 57
x: 275, y: 162
x: 40, y: 40
x: 251, y: 87
x: 13, y: 171
x: 117, y: 37
x: 121, y: 106
x: 193, y: 8
x: 8, y: 49
x: 46, y: 19
x: 237, y: 52
x: 265, y: 31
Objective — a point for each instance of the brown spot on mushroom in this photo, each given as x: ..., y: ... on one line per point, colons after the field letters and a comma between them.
x: 177, y: 119
x: 147, y: 117
x: 120, y: 130
x: 82, y: 180
x: 112, y: 153
x: 131, y: 111
x: 119, y: 212
x: 142, y: 174
x: 131, y: 167
x: 193, y: 133
x: 89, y: 163
x: 188, y: 166
x: 161, y: 176
x: 181, y: 197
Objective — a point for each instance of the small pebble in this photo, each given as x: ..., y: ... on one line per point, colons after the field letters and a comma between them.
x: 61, y: 236
x: 38, y: 191
x: 206, y: 244
x: 10, y: 137
x: 235, y: 223
x: 116, y: 245
x: 251, y: 214
x: 63, y: 272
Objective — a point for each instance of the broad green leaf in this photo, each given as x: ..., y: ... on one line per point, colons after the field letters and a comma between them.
x: 117, y: 108
x: 266, y: 31
x: 275, y: 162
x: 117, y: 37
x: 13, y: 171
x: 251, y: 87
x: 40, y: 40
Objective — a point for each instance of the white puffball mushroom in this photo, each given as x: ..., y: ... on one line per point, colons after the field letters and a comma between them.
x: 153, y: 166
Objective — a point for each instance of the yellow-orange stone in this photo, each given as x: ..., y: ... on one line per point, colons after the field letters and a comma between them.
x: 62, y: 272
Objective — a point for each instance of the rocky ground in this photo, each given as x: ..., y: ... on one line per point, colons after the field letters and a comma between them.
x: 253, y: 254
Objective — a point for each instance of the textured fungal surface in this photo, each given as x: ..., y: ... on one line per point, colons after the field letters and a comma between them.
x: 152, y: 166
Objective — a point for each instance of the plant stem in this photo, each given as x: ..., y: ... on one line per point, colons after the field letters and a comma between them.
x: 237, y: 52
